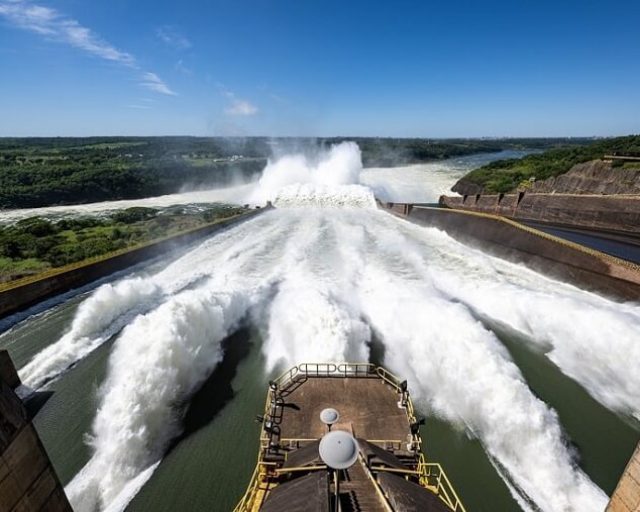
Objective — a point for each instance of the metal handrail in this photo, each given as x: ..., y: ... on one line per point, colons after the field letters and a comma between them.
x: 442, y: 486
x: 328, y: 370
x: 248, y: 496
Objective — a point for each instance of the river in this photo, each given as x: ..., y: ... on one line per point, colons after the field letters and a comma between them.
x: 149, y: 383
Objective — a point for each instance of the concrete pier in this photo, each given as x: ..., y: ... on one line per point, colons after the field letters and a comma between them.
x: 28, y: 482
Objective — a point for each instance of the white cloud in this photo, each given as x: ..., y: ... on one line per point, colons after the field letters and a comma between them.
x: 237, y: 106
x: 49, y: 22
x: 172, y: 37
x: 154, y: 83
x: 52, y: 24
x: 241, y: 108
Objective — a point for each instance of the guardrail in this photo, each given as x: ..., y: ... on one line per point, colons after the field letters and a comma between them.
x: 433, y: 477
x: 358, y: 370
x: 251, y: 495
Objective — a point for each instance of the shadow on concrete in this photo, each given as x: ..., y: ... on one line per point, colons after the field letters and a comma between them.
x: 217, y: 391
x: 36, y: 401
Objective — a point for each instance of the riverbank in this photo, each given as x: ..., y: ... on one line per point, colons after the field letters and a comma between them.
x: 36, y: 244
x: 508, y: 176
x: 44, y: 172
x: 22, y: 293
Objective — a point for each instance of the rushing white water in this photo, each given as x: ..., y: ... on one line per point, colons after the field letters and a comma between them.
x: 465, y: 375
x: 591, y: 339
x: 458, y: 368
x: 305, y: 195
x: 318, y: 281
x: 425, y: 182
x: 160, y: 358
x: 102, y: 315
x: 236, y: 195
x: 341, y: 165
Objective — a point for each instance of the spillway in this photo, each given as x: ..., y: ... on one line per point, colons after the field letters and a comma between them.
x: 325, y: 279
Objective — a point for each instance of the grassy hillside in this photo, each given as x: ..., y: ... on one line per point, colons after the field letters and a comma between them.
x: 505, y: 175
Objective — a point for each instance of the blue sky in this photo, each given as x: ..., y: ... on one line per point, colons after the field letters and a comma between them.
x: 394, y: 68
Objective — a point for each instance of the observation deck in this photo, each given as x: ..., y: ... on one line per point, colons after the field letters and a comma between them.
x: 389, y: 471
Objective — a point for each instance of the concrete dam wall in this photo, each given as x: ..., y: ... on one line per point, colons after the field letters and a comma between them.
x: 28, y: 482
x: 584, y: 267
x: 626, y: 497
x: 619, y: 212
x: 23, y: 293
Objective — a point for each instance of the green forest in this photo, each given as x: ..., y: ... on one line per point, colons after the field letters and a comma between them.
x: 53, y: 171
x: 35, y: 244
x: 506, y: 175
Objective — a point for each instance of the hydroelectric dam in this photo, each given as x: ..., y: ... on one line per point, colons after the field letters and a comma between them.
x: 148, y: 381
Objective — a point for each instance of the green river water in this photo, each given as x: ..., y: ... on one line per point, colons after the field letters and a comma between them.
x: 209, y: 466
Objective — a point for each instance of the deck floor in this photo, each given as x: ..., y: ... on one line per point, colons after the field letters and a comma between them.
x: 368, y: 407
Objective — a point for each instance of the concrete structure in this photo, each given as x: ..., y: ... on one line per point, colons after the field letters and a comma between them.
x: 617, y: 212
x: 377, y: 465
x: 27, y: 480
x: 626, y: 497
x: 624, y: 158
x: 18, y: 295
x: 595, y: 177
x: 568, y: 261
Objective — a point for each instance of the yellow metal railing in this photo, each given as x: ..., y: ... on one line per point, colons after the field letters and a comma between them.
x: 249, y: 498
x: 434, y: 478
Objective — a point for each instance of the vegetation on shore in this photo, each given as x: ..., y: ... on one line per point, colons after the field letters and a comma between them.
x: 34, y: 245
x: 384, y: 152
x: 49, y: 171
x: 41, y: 172
x: 506, y: 175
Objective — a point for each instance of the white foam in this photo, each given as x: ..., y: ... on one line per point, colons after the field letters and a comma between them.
x: 425, y: 182
x: 457, y: 368
x: 160, y: 359
x: 340, y: 196
x: 330, y: 272
x: 235, y: 195
x: 591, y: 339
x: 463, y: 373
x: 340, y: 165
x: 103, y: 314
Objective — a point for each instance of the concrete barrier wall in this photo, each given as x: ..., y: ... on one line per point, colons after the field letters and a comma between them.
x: 27, y: 292
x: 608, y: 212
x: 545, y: 253
x: 626, y: 497
x: 28, y: 481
